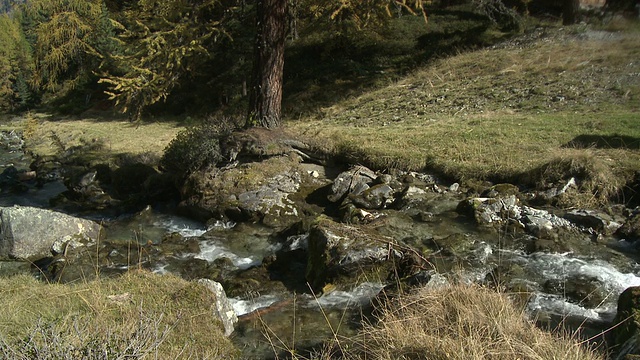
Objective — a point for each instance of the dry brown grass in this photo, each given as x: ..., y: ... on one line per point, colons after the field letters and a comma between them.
x: 463, y: 322
x: 598, y: 175
x: 100, y: 140
x: 139, y: 315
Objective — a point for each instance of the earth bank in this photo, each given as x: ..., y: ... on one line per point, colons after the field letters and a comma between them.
x: 360, y: 225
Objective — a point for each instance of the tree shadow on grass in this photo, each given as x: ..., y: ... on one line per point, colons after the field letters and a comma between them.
x: 614, y: 141
x: 335, y: 67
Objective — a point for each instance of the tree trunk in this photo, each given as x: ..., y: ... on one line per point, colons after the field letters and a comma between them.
x: 265, y: 98
x: 570, y: 12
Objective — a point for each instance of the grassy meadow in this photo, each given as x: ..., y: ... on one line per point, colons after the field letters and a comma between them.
x: 499, y: 113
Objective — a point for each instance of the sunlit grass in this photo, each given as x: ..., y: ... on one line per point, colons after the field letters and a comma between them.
x: 460, y: 322
x: 139, y: 313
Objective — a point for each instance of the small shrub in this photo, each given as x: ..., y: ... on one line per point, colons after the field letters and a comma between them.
x: 30, y: 126
x: 507, y: 19
x: 195, y: 148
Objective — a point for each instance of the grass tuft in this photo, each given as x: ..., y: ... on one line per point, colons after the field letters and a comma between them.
x: 595, y: 177
x: 462, y: 322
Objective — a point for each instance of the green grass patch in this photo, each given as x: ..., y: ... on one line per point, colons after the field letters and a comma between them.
x: 96, y: 140
x: 487, y: 146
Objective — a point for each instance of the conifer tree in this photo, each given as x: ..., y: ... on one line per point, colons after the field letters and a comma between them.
x: 15, y: 64
x: 162, y: 42
x: 64, y: 39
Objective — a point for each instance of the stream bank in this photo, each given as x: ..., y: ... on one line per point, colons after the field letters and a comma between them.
x: 301, y: 247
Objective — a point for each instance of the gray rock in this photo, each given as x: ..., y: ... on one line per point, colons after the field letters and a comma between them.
x: 488, y: 211
x: 538, y: 226
x: 29, y: 233
x: 596, y: 220
x: 336, y: 249
x: 631, y: 228
x: 351, y: 180
x: 223, y: 306
x: 376, y: 197
x: 625, y: 332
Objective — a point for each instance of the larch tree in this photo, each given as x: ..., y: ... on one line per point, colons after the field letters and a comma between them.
x: 15, y: 64
x: 64, y: 36
x: 271, y: 20
x: 163, y: 41
x: 167, y: 40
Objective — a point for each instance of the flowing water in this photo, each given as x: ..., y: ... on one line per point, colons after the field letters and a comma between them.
x: 562, y: 284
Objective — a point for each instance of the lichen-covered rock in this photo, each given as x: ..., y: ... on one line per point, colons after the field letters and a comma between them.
x: 353, y: 181
x: 29, y: 233
x: 552, y: 232
x: 336, y: 249
x: 541, y: 223
x: 271, y: 192
x: 490, y: 211
x: 375, y: 197
x: 224, y: 310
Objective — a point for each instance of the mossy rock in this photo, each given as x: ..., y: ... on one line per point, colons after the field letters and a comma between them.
x: 271, y: 192
x: 337, y: 250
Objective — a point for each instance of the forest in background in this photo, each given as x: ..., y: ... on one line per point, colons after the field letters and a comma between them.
x: 176, y: 57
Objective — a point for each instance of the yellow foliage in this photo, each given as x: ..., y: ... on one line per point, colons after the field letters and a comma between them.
x: 164, y: 40
x: 63, y: 33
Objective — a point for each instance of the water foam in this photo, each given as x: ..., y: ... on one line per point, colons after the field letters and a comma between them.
x: 211, y: 250
x: 360, y: 295
x: 564, y: 267
x: 242, y: 307
x: 184, y: 227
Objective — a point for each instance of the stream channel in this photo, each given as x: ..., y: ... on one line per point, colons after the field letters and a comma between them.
x: 562, y: 284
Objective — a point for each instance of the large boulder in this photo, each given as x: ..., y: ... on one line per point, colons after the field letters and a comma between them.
x: 29, y: 233
x: 271, y: 191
